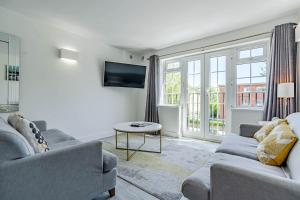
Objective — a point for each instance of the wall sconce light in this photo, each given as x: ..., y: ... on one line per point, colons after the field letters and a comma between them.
x: 68, y: 55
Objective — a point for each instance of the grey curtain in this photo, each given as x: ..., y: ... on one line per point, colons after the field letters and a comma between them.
x: 282, y: 69
x: 151, y: 114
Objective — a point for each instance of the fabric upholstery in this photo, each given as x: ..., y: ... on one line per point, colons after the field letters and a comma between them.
x: 197, y: 186
x: 12, y: 144
x: 13, y: 119
x: 274, y: 149
x: 239, y: 183
x: 200, y: 181
x: 41, y: 125
x: 32, y: 135
x: 282, y: 69
x: 238, y: 145
x: 53, y: 136
x: 248, y: 130
x: 262, y: 133
x: 245, y: 163
x: 151, y: 113
x: 64, y: 144
x: 293, y: 160
x: 70, y: 170
x: 235, y: 177
x: 109, y: 180
x: 70, y: 173
x: 109, y: 161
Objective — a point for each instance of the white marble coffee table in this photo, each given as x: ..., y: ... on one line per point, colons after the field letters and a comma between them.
x: 149, y: 128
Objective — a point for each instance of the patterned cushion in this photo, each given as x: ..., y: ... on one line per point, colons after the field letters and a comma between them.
x: 13, y: 119
x: 30, y: 131
x: 274, y: 149
x: 267, y: 128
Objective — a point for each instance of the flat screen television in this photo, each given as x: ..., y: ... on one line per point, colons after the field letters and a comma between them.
x: 124, y: 75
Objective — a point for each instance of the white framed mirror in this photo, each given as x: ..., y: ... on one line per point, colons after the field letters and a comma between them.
x: 9, y: 73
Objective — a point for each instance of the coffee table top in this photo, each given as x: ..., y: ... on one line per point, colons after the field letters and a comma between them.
x: 149, y: 128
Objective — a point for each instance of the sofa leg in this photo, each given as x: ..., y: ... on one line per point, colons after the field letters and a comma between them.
x: 112, y: 192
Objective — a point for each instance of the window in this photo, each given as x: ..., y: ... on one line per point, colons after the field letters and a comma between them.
x: 172, y: 83
x: 248, y: 75
x: 251, y: 72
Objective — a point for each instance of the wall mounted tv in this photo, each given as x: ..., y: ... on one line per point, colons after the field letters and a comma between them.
x: 124, y: 75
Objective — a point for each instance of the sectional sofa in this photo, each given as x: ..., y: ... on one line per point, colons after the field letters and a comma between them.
x: 234, y: 172
x: 70, y: 170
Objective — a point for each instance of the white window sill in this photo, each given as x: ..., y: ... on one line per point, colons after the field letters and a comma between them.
x: 248, y: 109
x: 168, y: 106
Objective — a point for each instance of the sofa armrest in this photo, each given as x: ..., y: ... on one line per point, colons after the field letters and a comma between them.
x: 41, y: 125
x: 56, y: 174
x: 234, y: 183
x: 109, y: 161
x: 248, y: 130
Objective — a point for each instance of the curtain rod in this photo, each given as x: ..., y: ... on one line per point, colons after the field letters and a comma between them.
x: 211, y: 45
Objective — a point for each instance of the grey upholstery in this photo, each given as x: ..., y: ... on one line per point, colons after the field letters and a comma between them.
x: 13, y: 145
x: 248, y: 130
x: 109, y: 161
x: 238, y: 145
x: 293, y: 161
x: 197, y: 186
x: 54, y: 136
x: 70, y: 170
x: 41, y: 125
x: 64, y: 144
x: 235, y: 183
x: 234, y: 173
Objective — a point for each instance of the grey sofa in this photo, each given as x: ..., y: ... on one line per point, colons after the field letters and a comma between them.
x: 234, y: 173
x: 70, y: 170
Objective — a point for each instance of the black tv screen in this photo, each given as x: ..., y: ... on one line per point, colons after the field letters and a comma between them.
x: 124, y: 75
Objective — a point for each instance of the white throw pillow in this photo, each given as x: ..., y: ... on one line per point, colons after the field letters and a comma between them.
x: 32, y: 134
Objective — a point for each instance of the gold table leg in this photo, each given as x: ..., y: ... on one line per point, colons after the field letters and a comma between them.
x: 128, y: 157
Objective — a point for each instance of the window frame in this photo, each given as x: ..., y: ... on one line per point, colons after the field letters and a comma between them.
x: 249, y: 60
x: 165, y: 71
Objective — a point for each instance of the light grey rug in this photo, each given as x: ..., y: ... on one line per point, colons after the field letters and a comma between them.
x: 160, y: 174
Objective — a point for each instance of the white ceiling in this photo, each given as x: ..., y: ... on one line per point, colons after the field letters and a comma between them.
x: 152, y: 24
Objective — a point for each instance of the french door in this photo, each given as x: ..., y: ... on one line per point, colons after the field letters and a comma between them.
x: 206, y: 90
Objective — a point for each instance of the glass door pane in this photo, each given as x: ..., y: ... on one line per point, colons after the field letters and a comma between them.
x: 194, y: 96
x: 193, y: 114
x: 216, y: 95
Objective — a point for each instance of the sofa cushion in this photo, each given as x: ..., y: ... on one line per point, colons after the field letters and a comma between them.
x: 274, y: 149
x: 12, y: 144
x: 198, y: 184
x: 109, y: 161
x: 239, y: 145
x: 53, y: 136
x: 64, y: 144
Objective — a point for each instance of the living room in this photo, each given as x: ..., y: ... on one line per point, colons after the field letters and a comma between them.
x: 167, y: 100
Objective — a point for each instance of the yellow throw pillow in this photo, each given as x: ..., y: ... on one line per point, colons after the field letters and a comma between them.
x: 267, y: 128
x: 275, y: 148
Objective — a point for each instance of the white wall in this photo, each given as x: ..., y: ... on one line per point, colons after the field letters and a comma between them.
x: 233, y: 35
x: 69, y: 97
x: 170, y: 127
x: 244, y: 116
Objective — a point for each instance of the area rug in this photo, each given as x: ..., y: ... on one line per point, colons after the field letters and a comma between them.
x: 160, y: 175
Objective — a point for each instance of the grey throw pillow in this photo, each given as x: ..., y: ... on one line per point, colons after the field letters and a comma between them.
x: 32, y: 134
